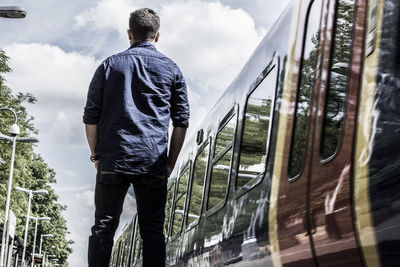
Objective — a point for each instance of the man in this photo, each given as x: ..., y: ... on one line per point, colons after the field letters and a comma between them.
x: 131, y: 99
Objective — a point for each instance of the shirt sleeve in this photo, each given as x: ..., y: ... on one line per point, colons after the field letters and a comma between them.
x: 179, y: 101
x: 92, y: 111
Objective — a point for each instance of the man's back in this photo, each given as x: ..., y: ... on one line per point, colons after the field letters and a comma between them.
x: 131, y: 99
x: 135, y: 90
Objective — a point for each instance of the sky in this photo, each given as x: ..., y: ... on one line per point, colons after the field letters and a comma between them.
x: 55, y: 50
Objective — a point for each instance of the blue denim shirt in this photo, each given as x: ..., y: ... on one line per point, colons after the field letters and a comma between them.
x: 132, y: 97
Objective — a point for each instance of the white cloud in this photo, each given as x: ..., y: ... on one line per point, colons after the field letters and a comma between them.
x: 107, y: 14
x: 59, y: 81
x: 48, y: 72
x: 80, y: 217
x: 210, y: 41
x: 86, y: 198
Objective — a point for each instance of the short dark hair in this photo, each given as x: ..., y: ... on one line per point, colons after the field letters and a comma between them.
x: 144, y: 24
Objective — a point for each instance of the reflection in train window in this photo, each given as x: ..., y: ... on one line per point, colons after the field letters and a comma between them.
x: 138, y: 245
x: 179, y: 208
x: 338, y: 78
x: 222, y: 162
x: 122, y: 257
x: 219, y: 180
x: 308, y: 75
x: 256, y: 130
x: 225, y: 136
x: 125, y: 245
x: 197, y: 186
x: 168, y: 209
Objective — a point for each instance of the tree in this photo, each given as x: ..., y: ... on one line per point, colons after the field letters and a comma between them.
x: 31, y: 172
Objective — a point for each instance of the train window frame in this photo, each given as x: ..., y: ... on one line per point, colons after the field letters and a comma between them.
x: 233, y: 112
x: 200, y: 149
x: 136, y: 245
x: 132, y: 250
x: 318, y: 69
x: 127, y: 239
x: 186, y: 168
x: 171, y: 186
x: 322, y: 158
x: 271, y: 66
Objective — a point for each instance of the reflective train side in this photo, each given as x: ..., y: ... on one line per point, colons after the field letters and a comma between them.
x: 298, y: 163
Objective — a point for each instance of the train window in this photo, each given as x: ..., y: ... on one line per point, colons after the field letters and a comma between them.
x: 197, y: 185
x: 114, y: 256
x: 222, y: 161
x: 122, y: 256
x: 137, y: 243
x: 168, y: 209
x: 308, y: 75
x: 126, y: 244
x: 338, y: 78
x: 179, y: 209
x: 219, y: 181
x: 225, y: 135
x: 256, y: 130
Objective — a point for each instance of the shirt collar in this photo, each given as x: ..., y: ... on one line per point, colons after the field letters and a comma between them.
x: 143, y: 44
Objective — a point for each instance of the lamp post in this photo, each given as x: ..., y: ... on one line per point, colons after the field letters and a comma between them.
x: 30, y: 195
x: 41, y: 240
x: 46, y: 256
x: 12, y: 12
x: 14, y: 131
x: 34, y: 238
x: 52, y: 258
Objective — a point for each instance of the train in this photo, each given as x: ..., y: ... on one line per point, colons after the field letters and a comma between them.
x: 298, y: 163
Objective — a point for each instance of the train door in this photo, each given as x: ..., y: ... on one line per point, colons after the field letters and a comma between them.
x: 291, y: 167
x: 314, y: 200
x: 330, y: 212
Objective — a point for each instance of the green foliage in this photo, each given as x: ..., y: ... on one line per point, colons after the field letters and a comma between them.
x: 30, y: 172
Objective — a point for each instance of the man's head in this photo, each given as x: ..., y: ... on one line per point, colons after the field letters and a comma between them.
x: 144, y: 25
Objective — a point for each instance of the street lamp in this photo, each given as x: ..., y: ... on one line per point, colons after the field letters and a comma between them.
x: 41, y: 240
x: 40, y: 250
x: 34, y: 237
x: 45, y: 256
x: 12, y: 12
x: 14, y: 131
x: 52, y: 260
x: 30, y: 195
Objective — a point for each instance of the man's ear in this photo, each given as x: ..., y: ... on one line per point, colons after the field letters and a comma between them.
x: 157, y: 37
x: 129, y: 34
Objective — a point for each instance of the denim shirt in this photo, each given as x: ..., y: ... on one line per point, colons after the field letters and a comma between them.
x: 132, y: 97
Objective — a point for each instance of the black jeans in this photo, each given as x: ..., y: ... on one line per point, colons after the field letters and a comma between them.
x: 150, y: 193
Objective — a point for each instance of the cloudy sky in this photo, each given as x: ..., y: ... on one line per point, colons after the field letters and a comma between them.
x: 56, y: 48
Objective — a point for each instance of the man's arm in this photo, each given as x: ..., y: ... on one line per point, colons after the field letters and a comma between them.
x: 177, y: 139
x: 91, y: 136
x: 180, y: 117
x: 92, y: 111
